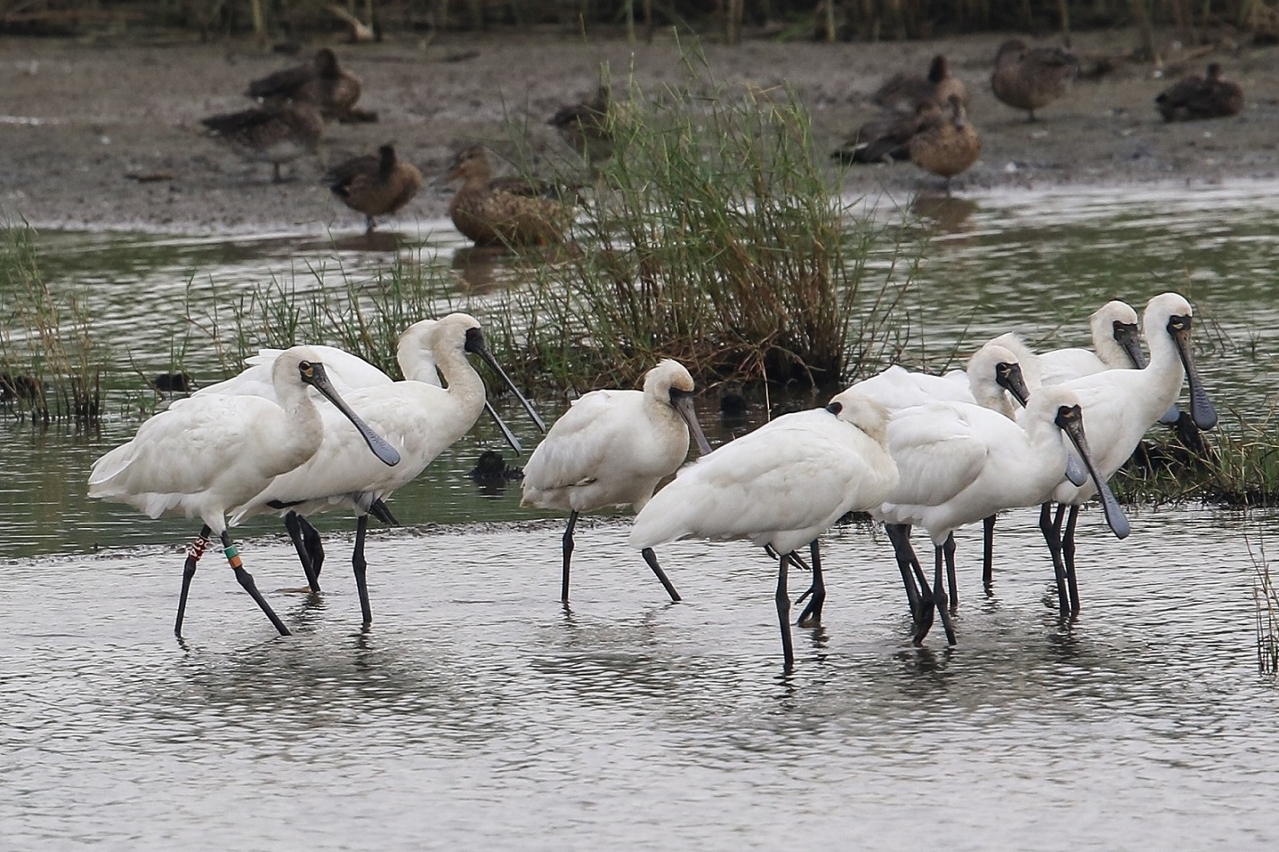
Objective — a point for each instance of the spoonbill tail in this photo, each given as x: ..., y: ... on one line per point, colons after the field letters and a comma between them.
x: 779, y: 486
x: 611, y: 448
x: 206, y: 456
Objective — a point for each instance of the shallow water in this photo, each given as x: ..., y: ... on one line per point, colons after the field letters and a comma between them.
x: 478, y: 711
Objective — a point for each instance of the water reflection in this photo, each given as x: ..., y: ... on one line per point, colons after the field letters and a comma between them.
x: 947, y: 214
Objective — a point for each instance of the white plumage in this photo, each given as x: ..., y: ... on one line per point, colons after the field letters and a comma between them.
x: 612, y: 448
x: 209, y: 455
x: 779, y: 486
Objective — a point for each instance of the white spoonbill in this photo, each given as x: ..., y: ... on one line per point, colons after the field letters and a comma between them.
x: 420, y: 420
x: 960, y: 463
x: 207, y: 455
x: 1120, y: 406
x: 612, y: 448
x: 780, y: 486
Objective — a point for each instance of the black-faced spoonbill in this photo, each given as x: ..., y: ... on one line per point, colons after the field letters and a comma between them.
x: 1119, y: 407
x: 780, y: 486
x: 960, y: 463
x: 612, y: 448
x: 421, y: 420
x: 206, y: 456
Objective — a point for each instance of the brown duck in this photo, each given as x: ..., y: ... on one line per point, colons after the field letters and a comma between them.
x: 507, y: 210
x: 274, y: 135
x: 886, y: 138
x: 1195, y: 97
x: 905, y: 92
x: 375, y: 184
x: 321, y: 82
x: 584, y: 126
x: 947, y: 144
x: 1031, y: 78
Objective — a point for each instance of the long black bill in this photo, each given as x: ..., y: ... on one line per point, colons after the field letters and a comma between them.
x: 506, y: 430
x: 1070, y: 419
x: 313, y: 374
x: 475, y: 343
x: 1202, y: 410
x: 1129, y: 339
x: 1009, y: 377
x: 683, y: 404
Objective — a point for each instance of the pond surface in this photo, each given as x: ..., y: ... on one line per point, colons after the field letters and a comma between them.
x: 479, y: 711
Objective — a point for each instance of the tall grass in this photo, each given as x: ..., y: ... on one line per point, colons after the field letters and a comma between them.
x: 50, y: 363
x: 713, y: 237
x: 1266, y: 598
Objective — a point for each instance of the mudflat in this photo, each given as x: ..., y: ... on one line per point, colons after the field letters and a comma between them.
x: 107, y: 134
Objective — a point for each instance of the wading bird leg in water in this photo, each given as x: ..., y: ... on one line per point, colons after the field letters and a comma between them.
x: 919, y: 596
x: 939, y: 594
x: 988, y: 554
x: 358, y: 564
x: 1052, y: 537
x: 812, y: 614
x: 245, y: 579
x: 1068, y: 555
x: 948, y: 550
x: 651, y: 558
x: 303, y: 539
x: 568, y: 553
x: 783, y: 614
x: 194, y: 551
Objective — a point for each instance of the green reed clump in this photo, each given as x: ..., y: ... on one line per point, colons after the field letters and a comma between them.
x: 50, y: 367
x: 713, y: 237
x: 364, y: 314
x: 1236, y: 464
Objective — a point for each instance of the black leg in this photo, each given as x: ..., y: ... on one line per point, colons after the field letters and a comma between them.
x: 948, y: 551
x: 245, y: 580
x: 293, y: 523
x: 988, y: 554
x: 568, y: 553
x: 651, y: 558
x: 314, y: 547
x: 358, y: 564
x: 1052, y: 538
x: 939, y: 593
x: 1068, y: 555
x: 812, y: 614
x: 194, y: 551
x: 783, y: 613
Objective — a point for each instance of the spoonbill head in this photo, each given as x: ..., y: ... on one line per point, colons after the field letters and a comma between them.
x: 207, y: 455
x: 612, y: 448
x: 779, y: 486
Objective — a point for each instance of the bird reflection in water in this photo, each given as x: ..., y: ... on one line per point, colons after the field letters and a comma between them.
x: 946, y: 214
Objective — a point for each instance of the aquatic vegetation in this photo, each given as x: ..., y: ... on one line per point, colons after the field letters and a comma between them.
x: 50, y: 364
x: 713, y: 237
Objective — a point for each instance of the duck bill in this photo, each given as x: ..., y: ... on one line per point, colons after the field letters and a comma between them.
x: 506, y: 430
x: 1010, y: 378
x: 475, y: 343
x: 1071, y: 421
x: 319, y: 380
x: 683, y: 403
x: 1129, y: 339
x: 1202, y: 410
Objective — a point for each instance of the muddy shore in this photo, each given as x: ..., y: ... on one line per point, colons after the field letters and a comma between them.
x: 107, y: 135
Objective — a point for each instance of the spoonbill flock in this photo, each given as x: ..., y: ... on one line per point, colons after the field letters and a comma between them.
x: 1013, y: 429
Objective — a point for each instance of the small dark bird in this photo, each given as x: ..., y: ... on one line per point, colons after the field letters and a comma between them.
x: 1031, y: 78
x: 946, y: 145
x: 1195, y: 97
x: 585, y: 126
x: 275, y: 135
x: 29, y: 389
x: 171, y: 383
x: 375, y: 184
x: 491, y: 468
x: 905, y: 92
x: 321, y: 82
x: 886, y: 138
x: 504, y: 210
